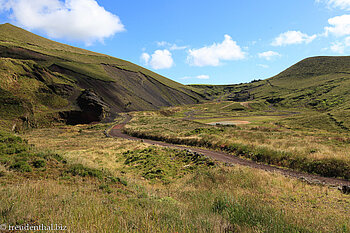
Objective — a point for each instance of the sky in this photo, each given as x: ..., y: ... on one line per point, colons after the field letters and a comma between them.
x: 202, y: 42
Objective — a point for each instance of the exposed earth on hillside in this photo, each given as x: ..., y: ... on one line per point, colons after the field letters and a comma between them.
x: 230, y: 122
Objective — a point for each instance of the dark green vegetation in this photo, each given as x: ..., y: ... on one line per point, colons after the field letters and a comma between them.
x: 40, y: 78
x: 165, y: 165
x: 17, y: 155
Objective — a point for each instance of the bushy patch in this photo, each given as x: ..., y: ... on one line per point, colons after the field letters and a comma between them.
x: 210, y: 130
x: 81, y: 170
x: 246, y: 212
x: 21, y: 166
x: 164, y: 164
x: 16, y: 154
x: 102, y: 175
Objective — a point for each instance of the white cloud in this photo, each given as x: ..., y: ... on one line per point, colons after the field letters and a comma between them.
x: 268, y: 55
x: 82, y: 20
x: 340, y: 47
x: 160, y: 59
x: 337, y: 47
x: 171, y: 46
x: 162, y: 43
x: 145, y: 58
x: 342, y: 4
x: 203, y: 76
x: 263, y: 66
x: 292, y: 37
x: 340, y: 26
x: 176, y: 47
x: 214, y: 54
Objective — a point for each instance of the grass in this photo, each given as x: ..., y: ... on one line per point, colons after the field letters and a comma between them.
x: 317, y: 83
x: 270, y: 140
x: 165, y: 165
x: 195, y: 198
x: 17, y: 155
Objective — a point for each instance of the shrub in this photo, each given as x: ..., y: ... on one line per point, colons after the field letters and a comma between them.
x: 80, y: 170
x: 251, y: 213
x: 21, y: 166
x: 105, y: 188
x: 38, y: 163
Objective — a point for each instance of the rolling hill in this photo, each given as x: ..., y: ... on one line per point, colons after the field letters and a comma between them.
x: 44, y: 79
x: 321, y: 83
x: 317, y: 86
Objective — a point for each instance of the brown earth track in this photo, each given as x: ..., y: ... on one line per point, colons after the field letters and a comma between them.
x: 116, y: 131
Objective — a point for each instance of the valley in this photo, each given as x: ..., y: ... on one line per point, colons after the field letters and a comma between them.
x: 99, y: 144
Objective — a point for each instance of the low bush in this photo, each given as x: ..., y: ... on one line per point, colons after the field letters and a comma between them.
x: 251, y: 213
x: 164, y: 165
x: 16, y: 154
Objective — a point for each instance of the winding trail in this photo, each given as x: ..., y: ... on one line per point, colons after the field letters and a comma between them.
x: 116, y: 131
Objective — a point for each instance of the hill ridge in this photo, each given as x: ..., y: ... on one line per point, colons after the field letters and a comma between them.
x: 45, y: 69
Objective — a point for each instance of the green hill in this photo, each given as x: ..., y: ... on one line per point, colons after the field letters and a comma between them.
x: 40, y: 76
x: 318, y: 84
x: 321, y: 83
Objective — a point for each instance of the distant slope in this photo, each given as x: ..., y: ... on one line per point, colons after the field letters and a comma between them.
x: 321, y: 83
x: 40, y: 76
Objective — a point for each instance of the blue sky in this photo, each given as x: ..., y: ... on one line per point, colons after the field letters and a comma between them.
x: 207, y: 41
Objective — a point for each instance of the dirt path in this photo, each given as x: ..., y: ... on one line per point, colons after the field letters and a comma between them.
x: 116, y: 131
x: 228, y: 105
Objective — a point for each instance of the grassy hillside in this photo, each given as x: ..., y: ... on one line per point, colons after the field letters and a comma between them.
x: 41, y: 76
x: 318, y: 83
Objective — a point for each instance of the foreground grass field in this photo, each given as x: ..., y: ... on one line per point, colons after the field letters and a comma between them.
x: 103, y: 186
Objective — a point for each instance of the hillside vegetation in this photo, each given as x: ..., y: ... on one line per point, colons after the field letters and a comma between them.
x: 91, y: 183
x: 42, y: 77
x: 320, y: 83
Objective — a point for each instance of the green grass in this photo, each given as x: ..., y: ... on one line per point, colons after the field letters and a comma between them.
x: 16, y: 154
x: 166, y: 164
x: 271, y: 140
x: 318, y: 83
x: 250, y: 213
x: 84, y: 196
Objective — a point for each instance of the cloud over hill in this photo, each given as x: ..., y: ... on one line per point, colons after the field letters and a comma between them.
x: 81, y: 20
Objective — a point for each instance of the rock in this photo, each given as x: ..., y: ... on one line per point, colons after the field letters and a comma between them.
x: 93, y: 109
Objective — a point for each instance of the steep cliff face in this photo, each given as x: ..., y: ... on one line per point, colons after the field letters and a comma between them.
x: 41, y: 75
